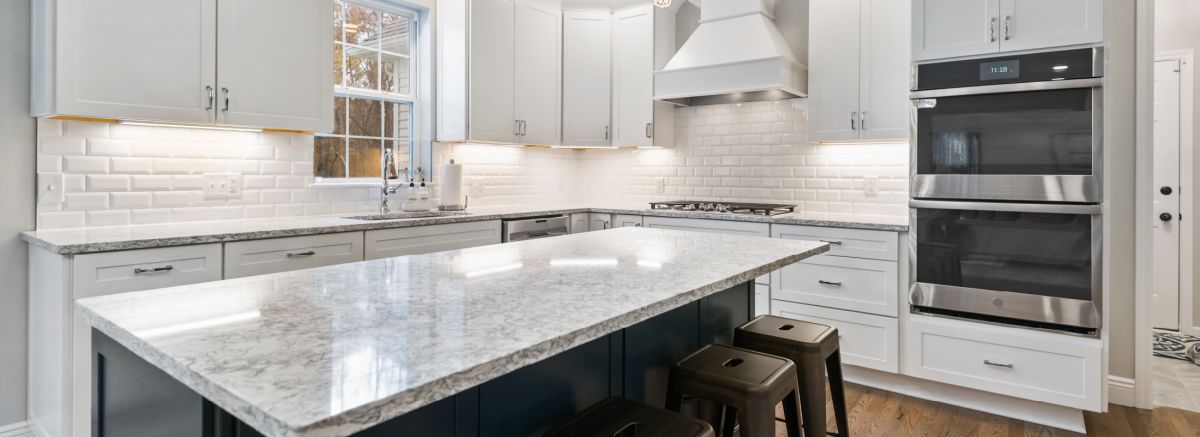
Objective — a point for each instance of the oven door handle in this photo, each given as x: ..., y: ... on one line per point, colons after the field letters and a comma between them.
x: 1048, y: 208
x: 1008, y: 88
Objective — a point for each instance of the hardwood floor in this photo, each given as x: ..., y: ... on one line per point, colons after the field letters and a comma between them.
x: 877, y: 413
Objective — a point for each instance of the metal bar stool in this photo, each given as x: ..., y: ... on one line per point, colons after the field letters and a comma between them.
x: 617, y: 417
x: 814, y: 349
x: 748, y: 384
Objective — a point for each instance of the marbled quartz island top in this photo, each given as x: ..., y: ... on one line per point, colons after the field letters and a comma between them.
x: 106, y: 239
x: 334, y: 350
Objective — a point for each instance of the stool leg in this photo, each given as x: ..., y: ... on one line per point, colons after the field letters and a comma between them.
x: 838, y: 392
x: 811, y: 374
x: 674, y: 396
x: 729, y: 420
x: 791, y: 413
x: 757, y: 419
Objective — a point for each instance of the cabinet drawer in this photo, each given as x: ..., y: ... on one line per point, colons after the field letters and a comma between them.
x: 864, y: 340
x: 855, y: 243
x: 623, y: 220
x: 1042, y: 366
x: 856, y: 284
x: 387, y: 243
x: 98, y: 274
x: 260, y: 257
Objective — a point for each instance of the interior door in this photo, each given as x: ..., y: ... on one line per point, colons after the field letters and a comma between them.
x: 885, y: 57
x: 539, y: 49
x: 835, y: 57
x: 633, y: 80
x: 277, y: 72
x: 1035, y: 24
x: 1166, y: 194
x: 492, y: 71
x: 155, y: 64
x: 587, y: 78
x: 949, y: 28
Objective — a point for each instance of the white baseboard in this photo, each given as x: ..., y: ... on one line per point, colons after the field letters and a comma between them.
x: 1041, y: 413
x: 1121, y: 391
x: 19, y: 429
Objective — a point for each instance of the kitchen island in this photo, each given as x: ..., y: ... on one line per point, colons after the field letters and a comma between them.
x: 494, y: 340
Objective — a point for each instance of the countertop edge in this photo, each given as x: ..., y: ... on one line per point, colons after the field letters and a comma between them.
x: 383, y: 410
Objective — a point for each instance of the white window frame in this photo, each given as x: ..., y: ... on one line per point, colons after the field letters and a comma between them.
x: 419, y: 97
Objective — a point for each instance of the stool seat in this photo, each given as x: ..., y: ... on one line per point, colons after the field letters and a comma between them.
x: 748, y: 384
x: 815, y: 350
x: 617, y: 417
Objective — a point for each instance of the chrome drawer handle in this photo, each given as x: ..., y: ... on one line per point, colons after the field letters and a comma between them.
x: 830, y: 283
x: 993, y: 364
x: 142, y: 271
x: 301, y: 254
x: 833, y: 242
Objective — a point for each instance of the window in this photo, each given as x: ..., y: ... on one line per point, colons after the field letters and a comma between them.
x: 374, y: 92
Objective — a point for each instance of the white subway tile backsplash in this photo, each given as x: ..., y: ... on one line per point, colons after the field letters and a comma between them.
x: 167, y: 199
x: 56, y: 220
x: 85, y: 164
x: 130, y: 165
x: 107, y: 147
x: 133, y: 200
x: 108, y: 218
x: 151, y: 182
x: 108, y: 182
x: 150, y: 216
x: 49, y: 164
x: 85, y: 201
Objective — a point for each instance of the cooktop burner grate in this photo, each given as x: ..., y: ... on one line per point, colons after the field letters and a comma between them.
x: 727, y: 207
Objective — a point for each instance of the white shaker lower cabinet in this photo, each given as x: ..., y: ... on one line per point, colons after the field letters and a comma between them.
x: 713, y: 226
x: 626, y: 220
x: 865, y: 340
x: 864, y: 285
x: 60, y: 371
x: 386, y: 243
x: 260, y: 257
x: 580, y: 222
x: 599, y: 221
x: 1041, y: 366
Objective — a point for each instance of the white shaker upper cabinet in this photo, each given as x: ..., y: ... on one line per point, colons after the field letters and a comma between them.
x: 1033, y: 24
x: 127, y: 59
x: 538, y: 73
x: 950, y: 28
x: 492, y: 71
x: 834, y: 70
x: 587, y: 78
x: 633, y: 76
x: 273, y: 72
x: 883, y: 111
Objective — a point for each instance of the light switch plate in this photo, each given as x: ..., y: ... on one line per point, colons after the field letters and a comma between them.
x: 871, y: 186
x: 660, y: 185
x: 222, y: 185
x: 50, y: 188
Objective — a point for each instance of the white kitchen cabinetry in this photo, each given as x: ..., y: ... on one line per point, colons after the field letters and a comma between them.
x: 599, y: 221
x: 501, y: 84
x: 95, y: 59
x: 865, y: 340
x: 1048, y: 367
x: 580, y: 222
x: 260, y: 257
x: 587, y: 78
x: 954, y: 28
x: 60, y: 371
x: 386, y: 243
x: 643, y: 41
x: 713, y: 226
x: 626, y: 220
x: 858, y: 89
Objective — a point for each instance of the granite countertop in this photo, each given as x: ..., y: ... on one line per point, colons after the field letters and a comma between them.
x: 106, y: 239
x: 335, y: 350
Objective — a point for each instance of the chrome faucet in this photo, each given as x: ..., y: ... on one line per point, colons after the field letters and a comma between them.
x: 387, y: 188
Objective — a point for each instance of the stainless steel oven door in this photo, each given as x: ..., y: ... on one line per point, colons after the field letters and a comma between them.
x: 1033, y: 264
x: 1036, y: 142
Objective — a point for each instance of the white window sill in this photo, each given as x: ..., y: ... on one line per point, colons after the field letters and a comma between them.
x: 348, y: 183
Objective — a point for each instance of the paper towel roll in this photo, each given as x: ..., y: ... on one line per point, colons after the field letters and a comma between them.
x: 452, y: 186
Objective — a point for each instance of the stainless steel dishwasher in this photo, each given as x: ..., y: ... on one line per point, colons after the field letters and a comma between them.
x: 534, y: 227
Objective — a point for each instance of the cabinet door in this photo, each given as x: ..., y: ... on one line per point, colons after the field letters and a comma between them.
x: 277, y: 72
x: 580, y: 222
x: 633, y: 76
x: 834, y: 75
x: 885, y: 61
x: 587, y: 78
x: 539, y: 54
x: 155, y: 64
x: 949, y: 28
x: 492, y: 68
x: 600, y: 222
x: 1035, y: 24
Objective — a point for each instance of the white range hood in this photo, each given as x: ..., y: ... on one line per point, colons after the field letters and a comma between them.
x: 737, y: 54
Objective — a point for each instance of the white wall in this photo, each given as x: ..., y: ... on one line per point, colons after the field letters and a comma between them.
x: 16, y: 192
x: 1177, y: 27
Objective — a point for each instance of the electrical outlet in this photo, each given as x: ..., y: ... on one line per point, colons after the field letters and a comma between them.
x: 660, y: 185
x: 871, y: 186
x: 50, y: 188
x: 222, y: 185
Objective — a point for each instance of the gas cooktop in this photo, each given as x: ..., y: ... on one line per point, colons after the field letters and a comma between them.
x: 728, y: 207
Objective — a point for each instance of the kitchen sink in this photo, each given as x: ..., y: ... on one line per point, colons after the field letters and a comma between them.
x: 407, y: 215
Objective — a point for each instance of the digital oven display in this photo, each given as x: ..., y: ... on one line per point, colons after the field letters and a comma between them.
x: 1000, y: 70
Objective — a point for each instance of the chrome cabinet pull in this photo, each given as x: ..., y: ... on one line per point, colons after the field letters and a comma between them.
x: 995, y: 364
x: 1007, y: 32
x: 862, y: 120
x: 992, y: 31
x: 212, y: 97
x: 162, y: 269
x: 309, y: 252
x: 829, y: 283
x: 606, y: 131
x: 517, y: 128
x: 605, y: 225
x: 225, y: 91
x: 853, y: 116
x: 649, y: 131
x: 832, y: 242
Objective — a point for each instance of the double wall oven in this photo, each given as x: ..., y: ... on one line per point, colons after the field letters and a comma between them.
x: 1006, y: 189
